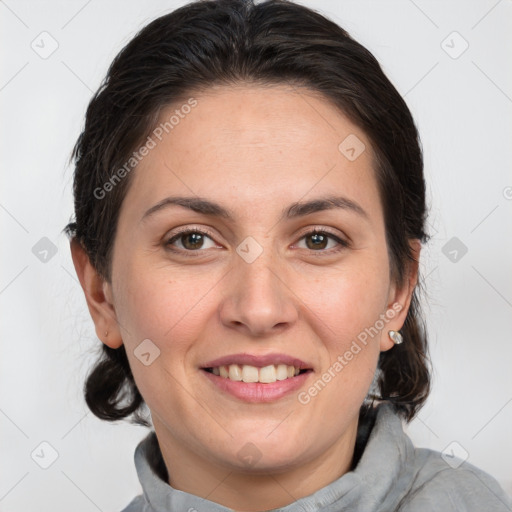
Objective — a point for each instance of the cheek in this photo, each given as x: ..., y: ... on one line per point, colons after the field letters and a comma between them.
x: 168, y: 303
x: 170, y: 306
x: 157, y: 304
x: 164, y: 307
x: 348, y: 301
x: 346, y: 311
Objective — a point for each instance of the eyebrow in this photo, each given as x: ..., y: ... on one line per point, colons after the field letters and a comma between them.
x: 297, y: 209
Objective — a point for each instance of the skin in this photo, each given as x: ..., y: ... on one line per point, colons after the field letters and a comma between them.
x: 254, y: 150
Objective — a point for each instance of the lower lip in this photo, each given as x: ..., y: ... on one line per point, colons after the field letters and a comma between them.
x: 257, y: 392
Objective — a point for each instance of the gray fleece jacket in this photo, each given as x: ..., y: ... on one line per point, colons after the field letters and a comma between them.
x: 390, y: 475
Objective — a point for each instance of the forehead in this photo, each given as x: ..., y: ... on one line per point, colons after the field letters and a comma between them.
x: 254, y: 146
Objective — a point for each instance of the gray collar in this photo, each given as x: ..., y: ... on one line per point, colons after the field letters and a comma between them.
x: 378, y: 481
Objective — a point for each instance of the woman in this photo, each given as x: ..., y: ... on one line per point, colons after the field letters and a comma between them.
x: 250, y: 210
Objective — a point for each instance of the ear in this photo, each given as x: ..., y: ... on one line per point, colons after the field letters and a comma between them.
x: 399, y: 299
x: 98, y: 294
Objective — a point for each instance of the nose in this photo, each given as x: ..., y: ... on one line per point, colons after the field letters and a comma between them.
x: 259, y: 301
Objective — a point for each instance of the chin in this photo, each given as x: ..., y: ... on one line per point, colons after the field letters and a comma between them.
x: 264, y: 454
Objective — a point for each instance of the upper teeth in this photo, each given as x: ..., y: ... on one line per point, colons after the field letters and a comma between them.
x: 248, y: 373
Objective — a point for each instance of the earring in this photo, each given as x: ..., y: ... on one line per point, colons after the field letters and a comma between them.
x: 396, y: 337
x: 106, y: 334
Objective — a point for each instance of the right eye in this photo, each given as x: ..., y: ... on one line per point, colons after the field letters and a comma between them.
x: 191, y: 240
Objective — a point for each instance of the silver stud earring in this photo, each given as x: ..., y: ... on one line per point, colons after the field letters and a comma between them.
x: 396, y: 337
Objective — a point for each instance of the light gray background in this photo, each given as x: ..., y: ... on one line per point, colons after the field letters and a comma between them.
x: 463, y: 109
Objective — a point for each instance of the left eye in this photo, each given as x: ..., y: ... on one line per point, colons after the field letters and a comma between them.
x: 316, y: 240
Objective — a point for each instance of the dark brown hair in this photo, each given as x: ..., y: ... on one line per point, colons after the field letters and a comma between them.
x: 226, y: 42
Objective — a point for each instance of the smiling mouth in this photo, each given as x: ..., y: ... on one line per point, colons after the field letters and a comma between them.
x: 252, y: 374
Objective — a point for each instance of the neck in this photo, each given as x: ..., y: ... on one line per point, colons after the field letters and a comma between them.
x: 247, y: 491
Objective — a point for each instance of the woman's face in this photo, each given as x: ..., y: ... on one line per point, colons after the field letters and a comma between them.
x: 254, y: 280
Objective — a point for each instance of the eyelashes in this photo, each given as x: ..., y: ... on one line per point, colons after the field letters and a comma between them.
x: 192, y: 242
x: 186, y: 233
x: 322, y: 235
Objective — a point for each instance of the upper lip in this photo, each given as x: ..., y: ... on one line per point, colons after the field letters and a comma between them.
x: 257, y: 360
